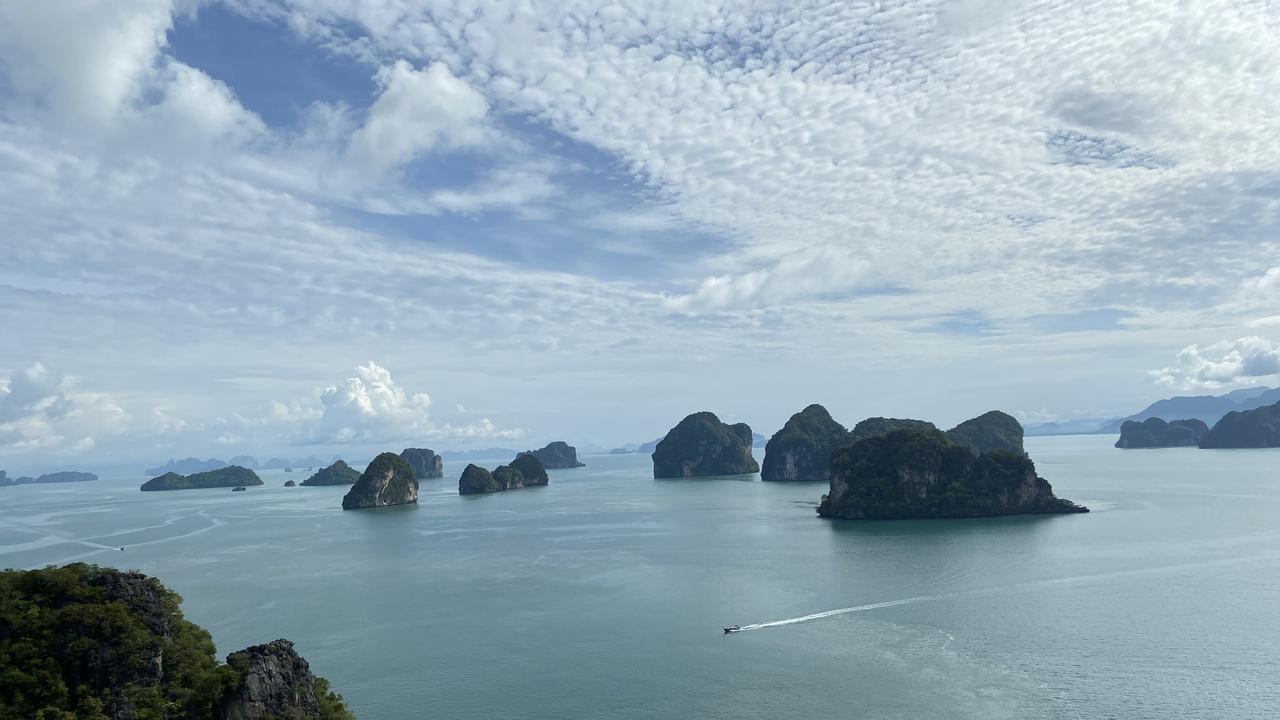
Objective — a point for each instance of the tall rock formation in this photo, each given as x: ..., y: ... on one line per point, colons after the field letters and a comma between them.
x: 921, y: 473
x: 989, y: 432
x: 425, y: 463
x: 558, y: 455
x: 1257, y: 428
x: 387, y: 481
x: 1156, y: 433
x: 802, y: 449
x: 700, y: 445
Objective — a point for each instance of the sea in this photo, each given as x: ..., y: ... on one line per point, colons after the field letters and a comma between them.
x: 604, y: 594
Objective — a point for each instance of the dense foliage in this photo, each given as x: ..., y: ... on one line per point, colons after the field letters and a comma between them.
x: 388, y: 480
x: 802, y: 449
x: 921, y: 473
x: 530, y: 468
x: 476, y: 480
x: 701, y: 445
x: 230, y: 476
x: 1156, y: 433
x: 86, y: 643
x: 1257, y: 428
x: 876, y: 426
x: 989, y: 432
x: 338, y: 473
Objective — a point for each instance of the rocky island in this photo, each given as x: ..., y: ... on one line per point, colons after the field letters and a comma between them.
x: 387, y: 481
x: 802, y: 449
x: 703, y: 446
x: 136, y: 656
x: 558, y: 455
x: 1156, y: 433
x: 1257, y: 428
x: 922, y: 472
x: 989, y: 432
x: 230, y: 476
x: 524, y: 471
x: 425, y: 463
x: 339, y: 473
x: 65, y: 476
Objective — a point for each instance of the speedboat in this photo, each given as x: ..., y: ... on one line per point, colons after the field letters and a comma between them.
x: 732, y: 629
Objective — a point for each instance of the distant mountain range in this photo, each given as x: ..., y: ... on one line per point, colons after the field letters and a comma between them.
x: 191, y: 465
x: 1209, y: 408
x: 757, y: 440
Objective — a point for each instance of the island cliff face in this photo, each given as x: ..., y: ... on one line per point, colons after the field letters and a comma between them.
x: 558, y: 455
x: 425, y: 463
x: 1156, y: 433
x: 921, y: 473
x: 524, y: 471
x: 701, y: 445
x: 138, y: 657
x: 230, y: 476
x: 989, y: 432
x: 338, y: 473
x: 1258, y: 428
x: 802, y: 449
x: 387, y: 481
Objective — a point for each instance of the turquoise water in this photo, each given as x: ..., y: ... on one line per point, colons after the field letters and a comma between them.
x: 602, y: 595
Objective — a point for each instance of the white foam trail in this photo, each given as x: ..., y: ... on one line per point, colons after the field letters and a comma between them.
x: 843, y: 611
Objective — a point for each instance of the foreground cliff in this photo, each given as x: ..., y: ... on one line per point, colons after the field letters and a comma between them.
x: 802, y: 449
x: 701, y: 445
x: 558, y: 455
x: 86, y: 643
x: 921, y: 473
x: 1258, y: 428
x: 1156, y: 433
x: 230, y: 476
x: 426, y: 464
x: 524, y: 471
x: 339, y: 473
x: 387, y: 481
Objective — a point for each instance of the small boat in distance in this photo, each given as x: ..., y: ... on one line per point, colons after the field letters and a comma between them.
x: 238, y: 488
x: 732, y: 629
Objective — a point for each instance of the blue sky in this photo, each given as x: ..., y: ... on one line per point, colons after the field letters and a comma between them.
x: 326, y: 225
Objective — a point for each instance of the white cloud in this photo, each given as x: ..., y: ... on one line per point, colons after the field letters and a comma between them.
x: 806, y: 274
x: 1245, y: 359
x: 40, y: 412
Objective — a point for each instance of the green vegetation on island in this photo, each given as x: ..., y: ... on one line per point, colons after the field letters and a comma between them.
x: 700, y: 445
x: 989, y: 432
x: 802, y: 449
x: 1156, y: 433
x: 558, y: 455
x: 387, y: 481
x: 230, y: 476
x: 82, y: 642
x: 338, y: 473
x: 524, y: 471
x: 1257, y: 428
x: 425, y: 463
x: 922, y: 473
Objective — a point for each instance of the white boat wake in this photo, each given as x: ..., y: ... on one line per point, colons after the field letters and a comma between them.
x: 842, y: 611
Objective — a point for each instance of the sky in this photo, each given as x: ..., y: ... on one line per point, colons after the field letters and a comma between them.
x: 279, y: 228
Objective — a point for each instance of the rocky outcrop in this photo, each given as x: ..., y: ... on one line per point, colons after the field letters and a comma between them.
x: 275, y: 682
x: 1156, y: 433
x: 1257, y: 428
x: 989, y: 432
x: 531, y: 469
x: 877, y: 426
x: 524, y: 471
x: 475, y: 480
x: 802, y: 449
x: 290, y: 483
x: 87, y: 642
x: 230, y: 476
x: 387, y: 481
x: 558, y: 455
x: 425, y: 463
x: 702, y: 446
x: 921, y: 473
x: 338, y: 473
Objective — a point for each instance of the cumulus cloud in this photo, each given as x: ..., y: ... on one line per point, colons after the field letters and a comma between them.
x: 41, y: 412
x: 371, y: 407
x: 1245, y: 359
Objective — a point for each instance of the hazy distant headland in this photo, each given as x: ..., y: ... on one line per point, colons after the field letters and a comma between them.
x: 65, y: 476
x: 1208, y: 409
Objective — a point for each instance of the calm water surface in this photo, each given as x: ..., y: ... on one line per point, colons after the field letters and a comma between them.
x: 602, y: 595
